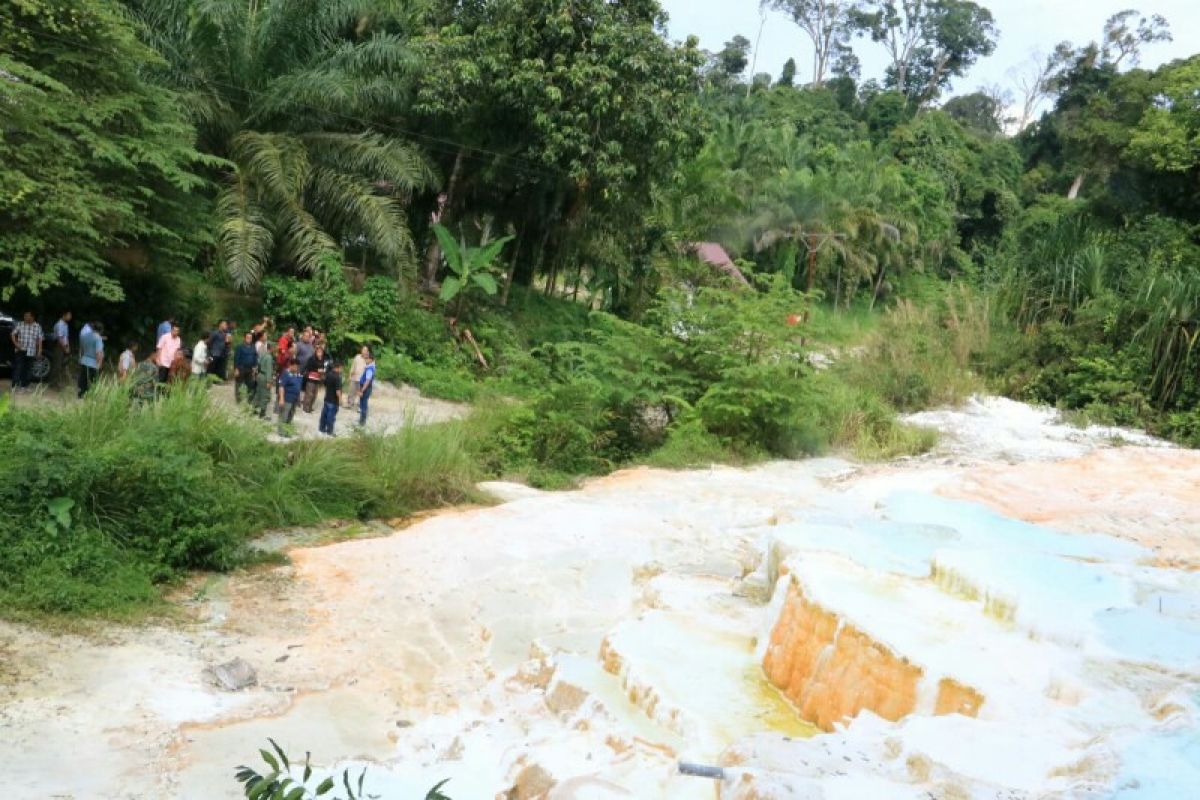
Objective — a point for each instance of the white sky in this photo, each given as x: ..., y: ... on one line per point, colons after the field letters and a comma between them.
x: 1025, y: 26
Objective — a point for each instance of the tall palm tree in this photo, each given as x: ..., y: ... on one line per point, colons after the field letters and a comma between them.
x: 285, y: 91
x: 830, y: 213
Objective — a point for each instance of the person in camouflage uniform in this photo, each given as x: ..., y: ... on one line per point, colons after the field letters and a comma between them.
x: 143, y: 381
x: 264, y: 389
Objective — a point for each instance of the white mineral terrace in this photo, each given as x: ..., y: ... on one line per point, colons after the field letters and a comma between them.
x: 1014, y: 616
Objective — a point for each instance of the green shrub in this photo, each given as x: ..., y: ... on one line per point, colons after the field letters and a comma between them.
x: 447, y: 381
x: 1183, y: 427
x: 837, y: 414
x: 330, y: 305
x: 565, y: 431
x: 690, y: 444
x: 417, y: 468
x: 755, y: 405
x: 106, y: 499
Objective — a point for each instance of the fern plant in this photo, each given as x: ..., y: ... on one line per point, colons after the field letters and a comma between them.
x: 280, y: 782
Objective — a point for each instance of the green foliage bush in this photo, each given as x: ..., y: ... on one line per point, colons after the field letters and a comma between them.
x: 328, y: 303
x: 840, y: 413
x: 107, y: 499
x: 564, y: 432
x: 754, y: 405
x: 448, y: 381
x: 690, y: 444
x: 713, y: 375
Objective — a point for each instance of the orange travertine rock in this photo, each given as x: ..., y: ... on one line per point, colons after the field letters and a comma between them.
x: 830, y: 670
x: 956, y: 698
x: 1147, y: 496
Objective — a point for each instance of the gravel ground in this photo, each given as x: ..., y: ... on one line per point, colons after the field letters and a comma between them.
x: 391, y: 408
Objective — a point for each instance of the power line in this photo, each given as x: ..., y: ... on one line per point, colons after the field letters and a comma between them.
x: 447, y: 146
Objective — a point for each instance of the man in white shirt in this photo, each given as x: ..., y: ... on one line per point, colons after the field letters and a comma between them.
x: 127, y: 361
x: 91, y: 358
x: 356, y: 372
x: 200, y: 359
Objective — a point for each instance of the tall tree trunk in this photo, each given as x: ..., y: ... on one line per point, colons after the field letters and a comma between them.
x: 433, y: 256
x: 878, y: 286
x: 1073, y: 194
x: 526, y: 276
x: 754, y: 63
x: 812, y: 264
x: 512, y: 268
x: 931, y: 88
x: 551, y: 279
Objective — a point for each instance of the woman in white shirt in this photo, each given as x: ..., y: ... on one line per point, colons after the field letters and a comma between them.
x: 127, y: 361
x: 200, y: 358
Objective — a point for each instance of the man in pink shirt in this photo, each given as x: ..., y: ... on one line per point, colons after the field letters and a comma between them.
x: 168, y: 346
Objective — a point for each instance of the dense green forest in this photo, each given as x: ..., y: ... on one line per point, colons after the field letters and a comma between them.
x: 892, y: 246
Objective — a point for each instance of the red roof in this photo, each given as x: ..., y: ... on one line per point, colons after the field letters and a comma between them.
x: 713, y: 253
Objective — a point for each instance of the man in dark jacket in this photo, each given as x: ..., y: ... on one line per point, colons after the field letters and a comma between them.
x: 218, y: 350
x: 265, y: 381
x: 290, y: 384
x: 245, y: 368
x: 333, y: 398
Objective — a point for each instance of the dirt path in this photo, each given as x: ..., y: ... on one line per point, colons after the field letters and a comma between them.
x: 391, y: 408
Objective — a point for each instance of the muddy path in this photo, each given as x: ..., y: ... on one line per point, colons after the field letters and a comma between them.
x: 579, y: 644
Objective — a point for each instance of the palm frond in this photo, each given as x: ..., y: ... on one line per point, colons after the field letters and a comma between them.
x: 351, y: 204
x: 244, y: 240
x: 304, y: 242
x: 276, y: 163
x: 403, y: 167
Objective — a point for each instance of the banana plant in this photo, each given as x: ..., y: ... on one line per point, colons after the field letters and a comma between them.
x: 473, y: 268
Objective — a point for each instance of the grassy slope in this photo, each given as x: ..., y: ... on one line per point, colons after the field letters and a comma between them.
x: 108, y: 500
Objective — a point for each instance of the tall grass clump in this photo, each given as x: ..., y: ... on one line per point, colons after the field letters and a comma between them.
x: 925, y: 355
x: 417, y: 468
x: 841, y: 415
x: 107, y: 499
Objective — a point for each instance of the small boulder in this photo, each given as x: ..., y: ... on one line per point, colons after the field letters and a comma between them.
x: 232, y: 676
x: 565, y: 698
x: 532, y: 783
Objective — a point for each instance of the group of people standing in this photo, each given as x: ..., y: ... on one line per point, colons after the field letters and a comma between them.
x: 294, y: 369
x: 30, y: 342
x: 291, y: 370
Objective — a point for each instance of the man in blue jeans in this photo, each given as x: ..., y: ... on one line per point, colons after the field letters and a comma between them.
x: 290, y: 384
x: 91, y: 357
x: 365, y: 384
x: 245, y: 369
x: 333, y: 399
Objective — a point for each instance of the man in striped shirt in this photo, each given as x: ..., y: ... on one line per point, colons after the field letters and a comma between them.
x: 27, y: 347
